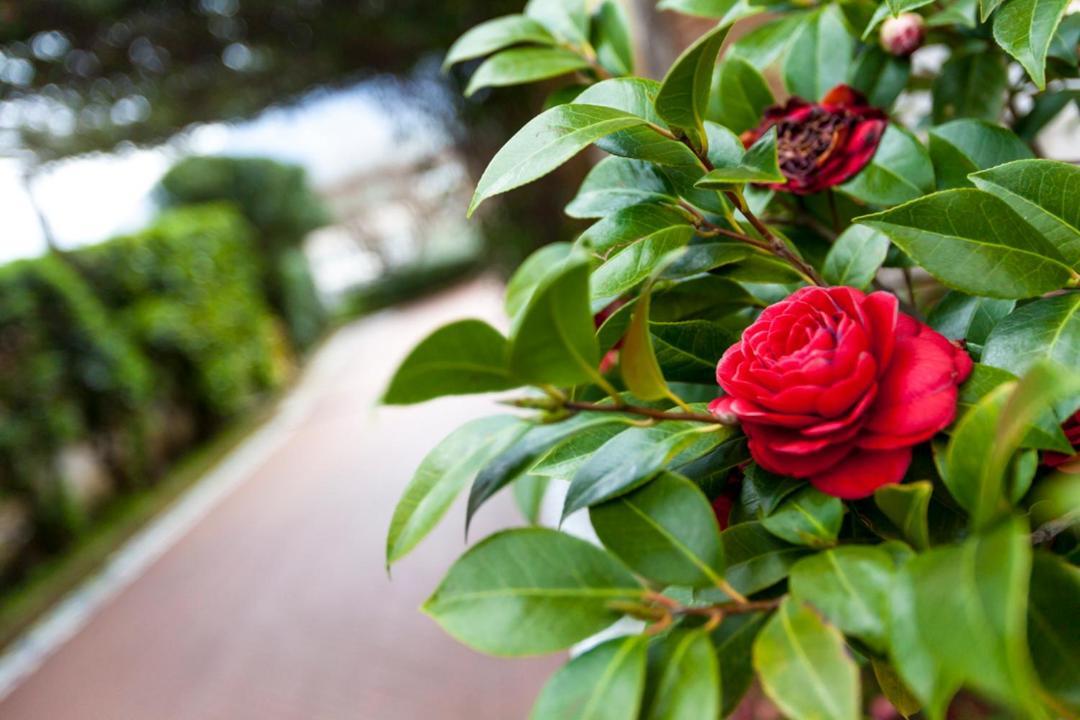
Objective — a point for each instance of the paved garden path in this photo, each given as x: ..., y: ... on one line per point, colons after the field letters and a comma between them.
x: 275, y: 604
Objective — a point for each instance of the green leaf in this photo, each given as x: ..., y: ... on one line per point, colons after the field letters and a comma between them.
x: 733, y: 642
x: 763, y: 45
x: 958, y: 619
x: 975, y: 483
x: 1025, y: 29
x: 566, y: 19
x: 665, y: 531
x: 763, y: 491
x: 1053, y: 633
x: 759, y: 164
x: 530, y: 591
x: 705, y: 257
x: 1046, y: 328
x: 986, y: 7
x: 529, y: 493
x: 1045, y: 433
x: 880, y: 76
x: 565, y: 458
x: 1066, y: 39
x: 855, y: 257
x: 554, y: 339
x: 629, y: 224
x: 899, y: 171
x: 632, y: 457
x: 907, y: 506
x: 894, y: 689
x: 524, y: 65
x: 974, y: 242
x: 545, y: 143
x: 1044, y: 193
x: 961, y: 13
x: 756, y: 559
x: 804, y: 667
x: 616, y: 183
x: 611, y: 38
x: 965, y: 146
x: 968, y: 317
x: 684, y: 679
x: 850, y: 586
x: 684, y: 94
x: 442, y: 474
x: 820, y: 54
x: 970, y: 84
x: 604, y: 683
x: 464, y: 357
x: 496, y: 34
x: 531, y: 273
x: 809, y: 517
x: 634, y: 263
x: 688, y: 350
x: 739, y: 95
x: 701, y: 8
x: 637, y: 362
x: 1048, y: 105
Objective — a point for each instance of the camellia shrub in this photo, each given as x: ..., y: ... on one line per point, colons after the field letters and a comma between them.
x: 811, y: 372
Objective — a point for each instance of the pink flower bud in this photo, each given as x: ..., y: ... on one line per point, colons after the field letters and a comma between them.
x: 902, y: 35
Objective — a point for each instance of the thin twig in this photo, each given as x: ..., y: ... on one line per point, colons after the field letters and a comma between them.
x: 646, y: 412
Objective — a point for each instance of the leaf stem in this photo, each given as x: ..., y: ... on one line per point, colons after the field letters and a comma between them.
x: 653, y: 413
x: 776, y: 246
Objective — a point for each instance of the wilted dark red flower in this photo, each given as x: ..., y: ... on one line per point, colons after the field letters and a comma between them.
x: 1072, y: 431
x: 822, y: 144
x: 837, y: 386
x: 903, y: 34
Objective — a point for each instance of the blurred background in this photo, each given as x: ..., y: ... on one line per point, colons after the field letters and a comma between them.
x: 223, y: 223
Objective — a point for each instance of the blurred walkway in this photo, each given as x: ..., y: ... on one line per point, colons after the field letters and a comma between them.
x: 276, y: 604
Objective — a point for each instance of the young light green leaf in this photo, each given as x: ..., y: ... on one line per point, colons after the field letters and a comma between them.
x: 531, y: 273
x: 974, y: 242
x: 683, y: 681
x: 759, y: 164
x: 604, y: 683
x: 496, y: 34
x: 855, y: 257
x: 530, y: 591
x: 1044, y: 193
x: 894, y: 689
x: 665, y: 531
x: 961, y: 147
x: 1047, y: 328
x: 637, y: 361
x: 545, y: 143
x: 442, y: 474
x: 907, y: 506
x: 634, y: 263
x: 820, y: 54
x: 756, y: 559
x: 464, y: 357
x: 957, y: 94
x: 739, y: 95
x: 809, y: 517
x: 684, y: 94
x: 1025, y: 29
x: 899, y: 171
x: 566, y: 19
x: 1045, y: 432
x: 1053, y: 633
x: 616, y: 183
x: 715, y: 9
x: 975, y: 483
x: 524, y: 65
x: 804, y: 667
x: 529, y: 493
x: 553, y: 340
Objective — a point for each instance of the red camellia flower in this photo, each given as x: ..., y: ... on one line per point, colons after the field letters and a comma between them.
x: 1072, y: 431
x: 836, y: 386
x: 824, y: 144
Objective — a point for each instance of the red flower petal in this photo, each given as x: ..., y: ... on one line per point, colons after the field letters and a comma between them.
x: 862, y: 472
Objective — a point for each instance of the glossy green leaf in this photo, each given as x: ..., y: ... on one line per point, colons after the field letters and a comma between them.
x: 961, y: 147
x: 894, y: 689
x: 1053, y: 633
x: 442, y: 474
x: 804, y: 667
x: 631, y: 265
x: 968, y: 317
x: 684, y: 679
x: 820, y: 54
x: 566, y: 19
x: 739, y: 95
x: 464, y: 357
x: 733, y: 642
x: 632, y: 457
x: 855, y: 257
x: 759, y: 164
x: 961, y: 13
x: 496, y: 34
x: 899, y: 171
x: 529, y: 493
x: 958, y: 618
x: 974, y: 242
x: 565, y: 458
x: 1045, y: 432
x: 684, y: 94
x: 1047, y: 106
x: 524, y: 65
x: 850, y: 586
x: 545, y: 143
x: 701, y: 8
x: 665, y: 531
x: 763, y: 491
x: 907, y: 508
x: 1066, y: 39
x: 763, y: 45
x: 637, y: 361
x: 530, y: 591
x: 688, y: 350
x: 611, y: 38
x: 531, y: 273
x: 1025, y: 29
x: 880, y: 76
x: 970, y: 84
x: 616, y: 183
x: 554, y: 340
x: 809, y: 517
x: 618, y: 230
x: 604, y: 683
x: 975, y: 483
x: 705, y: 257
x: 1047, y: 328
x: 756, y: 559
x: 1044, y: 193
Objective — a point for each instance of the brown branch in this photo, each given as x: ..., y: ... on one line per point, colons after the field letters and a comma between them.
x: 776, y: 246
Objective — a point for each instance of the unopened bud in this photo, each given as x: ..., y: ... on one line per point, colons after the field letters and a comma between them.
x: 902, y: 35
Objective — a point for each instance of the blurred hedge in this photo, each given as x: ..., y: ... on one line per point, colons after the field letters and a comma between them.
x: 132, y: 350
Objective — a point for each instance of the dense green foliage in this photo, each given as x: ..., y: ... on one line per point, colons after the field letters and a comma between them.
x: 912, y: 535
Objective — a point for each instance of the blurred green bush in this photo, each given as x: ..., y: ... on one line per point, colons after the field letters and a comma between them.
x: 277, y: 200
